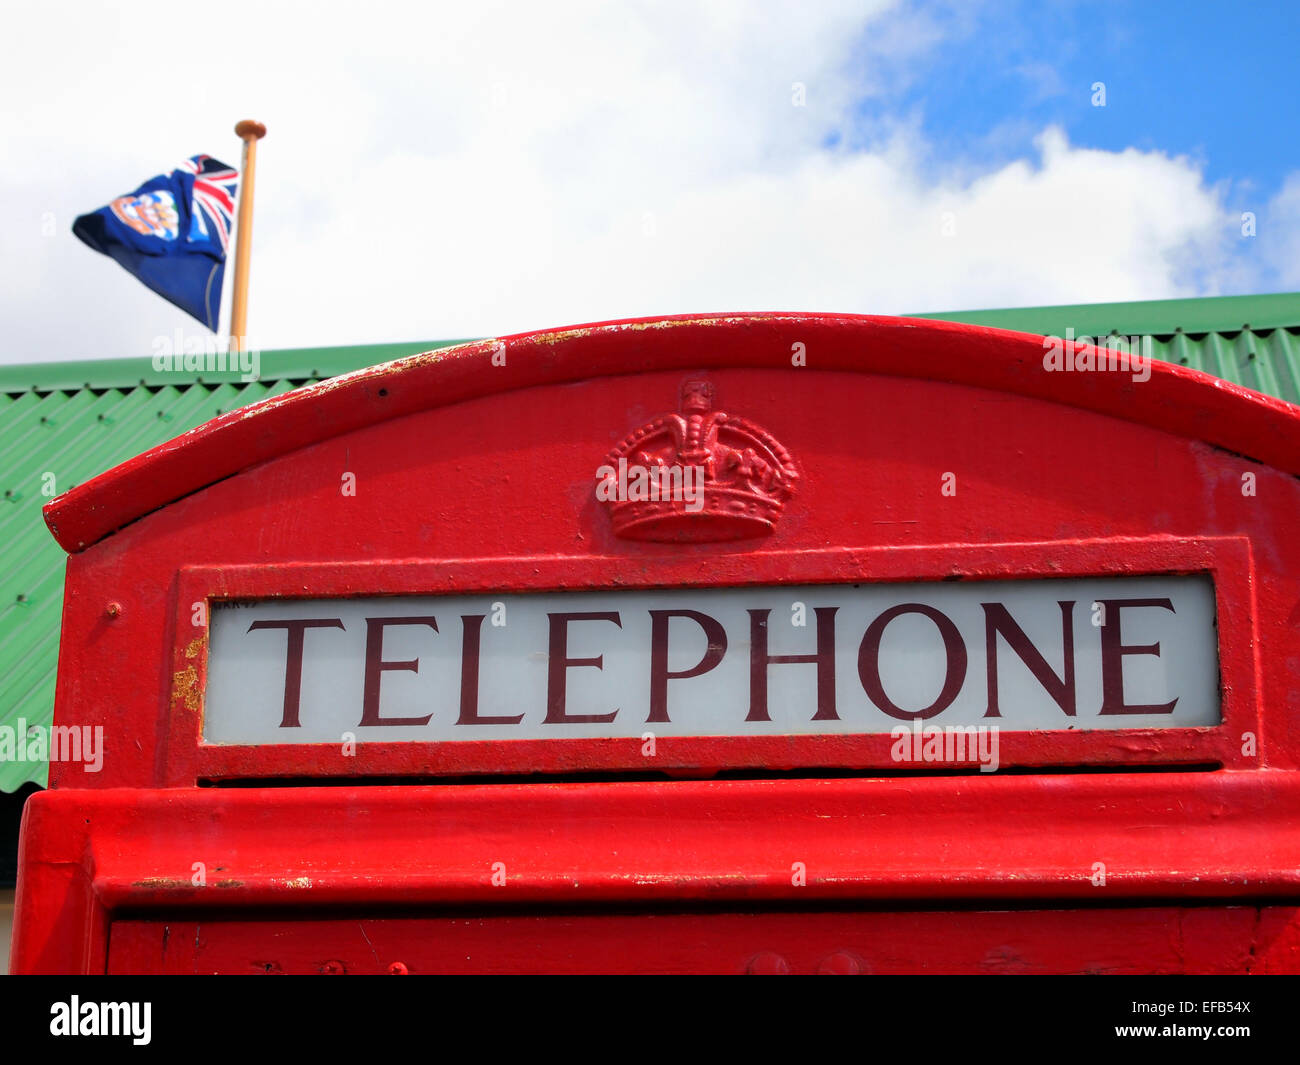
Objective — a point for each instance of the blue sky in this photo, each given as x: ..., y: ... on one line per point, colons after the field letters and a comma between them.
x: 1216, y: 82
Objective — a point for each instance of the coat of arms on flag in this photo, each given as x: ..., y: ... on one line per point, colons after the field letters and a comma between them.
x: 172, y: 233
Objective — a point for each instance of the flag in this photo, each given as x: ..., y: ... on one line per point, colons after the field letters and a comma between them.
x: 171, y: 233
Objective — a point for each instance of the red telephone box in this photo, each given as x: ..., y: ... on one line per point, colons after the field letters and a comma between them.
x: 754, y: 643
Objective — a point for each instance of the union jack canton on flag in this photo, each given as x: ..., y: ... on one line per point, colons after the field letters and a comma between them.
x: 172, y: 233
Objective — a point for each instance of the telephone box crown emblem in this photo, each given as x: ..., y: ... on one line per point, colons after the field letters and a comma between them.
x: 699, y: 476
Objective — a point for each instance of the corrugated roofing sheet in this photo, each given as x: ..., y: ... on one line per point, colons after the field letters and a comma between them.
x: 74, y: 420
x: 1248, y: 340
x: 60, y: 425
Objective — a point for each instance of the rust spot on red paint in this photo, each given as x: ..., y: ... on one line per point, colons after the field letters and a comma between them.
x: 161, y: 883
x: 186, y: 686
x: 168, y: 883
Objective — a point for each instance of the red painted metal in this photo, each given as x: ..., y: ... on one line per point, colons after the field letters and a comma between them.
x: 1120, y: 941
x: 1177, y: 400
x: 620, y: 848
x: 1227, y: 558
x: 477, y: 476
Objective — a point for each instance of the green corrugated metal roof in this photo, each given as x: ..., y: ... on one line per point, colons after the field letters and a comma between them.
x: 77, y: 419
x: 1248, y: 340
x: 1221, y: 314
x: 74, y: 420
x: 301, y: 365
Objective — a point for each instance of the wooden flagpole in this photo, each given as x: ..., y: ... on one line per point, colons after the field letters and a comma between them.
x: 250, y: 133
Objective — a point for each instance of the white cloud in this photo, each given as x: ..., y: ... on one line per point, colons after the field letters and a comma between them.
x: 1277, y: 233
x: 437, y: 171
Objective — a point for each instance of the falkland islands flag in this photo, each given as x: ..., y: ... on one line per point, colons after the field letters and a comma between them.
x: 172, y: 233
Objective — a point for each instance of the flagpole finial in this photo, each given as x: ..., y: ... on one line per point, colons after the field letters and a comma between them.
x: 248, y: 129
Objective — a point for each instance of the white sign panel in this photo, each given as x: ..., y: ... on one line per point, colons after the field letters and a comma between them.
x: 835, y: 659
